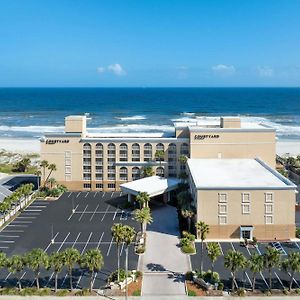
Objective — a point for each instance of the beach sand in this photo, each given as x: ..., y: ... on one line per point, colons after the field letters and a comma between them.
x: 283, y: 147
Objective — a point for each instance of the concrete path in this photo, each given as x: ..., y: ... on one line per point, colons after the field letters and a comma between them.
x: 163, y: 263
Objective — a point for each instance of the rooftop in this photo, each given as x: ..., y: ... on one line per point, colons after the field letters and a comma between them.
x: 236, y: 174
x: 153, y: 185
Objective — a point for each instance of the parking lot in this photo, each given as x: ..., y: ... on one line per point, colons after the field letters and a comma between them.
x: 81, y: 220
x: 244, y: 278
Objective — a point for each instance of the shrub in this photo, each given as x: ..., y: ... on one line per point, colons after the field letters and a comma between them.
x: 136, y: 293
x: 241, y: 292
x: 191, y: 293
x: 62, y: 293
x: 28, y: 292
x: 44, y: 292
x: 83, y: 292
x: 298, y: 233
x: 221, y: 286
x: 286, y: 291
x: 211, y: 277
x: 113, y: 277
x: 9, y: 291
x: 140, y: 249
x: 188, y: 249
x: 138, y: 274
x: 188, y: 235
x: 189, y: 276
x: 185, y: 242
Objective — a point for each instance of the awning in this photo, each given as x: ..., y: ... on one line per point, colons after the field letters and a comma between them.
x: 153, y: 185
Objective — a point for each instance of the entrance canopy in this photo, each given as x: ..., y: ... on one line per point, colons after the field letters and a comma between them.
x: 153, y: 185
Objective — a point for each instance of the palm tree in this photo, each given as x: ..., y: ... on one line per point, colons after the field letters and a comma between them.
x: 143, y: 216
x: 256, y: 265
x: 44, y: 165
x: 27, y: 190
x: 3, y: 260
x: 182, y: 159
x: 188, y: 214
x: 213, y: 252
x: 38, y: 173
x: 56, y: 262
x: 271, y: 260
x: 117, y: 233
x: 51, y: 168
x: 36, y: 259
x: 142, y: 198
x: 72, y: 257
x: 159, y: 155
x: 234, y: 260
x: 147, y: 171
x: 128, y: 237
x: 52, y: 182
x: 202, y: 231
x: 184, y: 199
x: 291, y: 265
x: 16, y: 264
x: 93, y: 261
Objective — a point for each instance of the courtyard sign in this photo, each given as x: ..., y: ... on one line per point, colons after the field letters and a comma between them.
x: 206, y: 136
x: 51, y: 142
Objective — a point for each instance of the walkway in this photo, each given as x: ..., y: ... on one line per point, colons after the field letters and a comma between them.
x: 163, y: 263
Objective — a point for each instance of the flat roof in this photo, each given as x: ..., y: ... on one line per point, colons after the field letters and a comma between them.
x: 153, y: 185
x: 236, y: 174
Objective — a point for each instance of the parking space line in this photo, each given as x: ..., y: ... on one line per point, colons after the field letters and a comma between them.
x: 73, y: 211
x: 94, y: 212
x: 35, y: 210
x: 248, y: 278
x: 120, y: 194
x: 63, y: 242
x: 297, y: 245
x: 12, y: 231
x: 99, y: 242
x: 221, y: 248
x: 3, y: 247
x: 25, y: 217
x: 279, y: 248
x: 16, y: 225
x: 105, y: 213
x: 38, y: 206
x: 86, y: 194
x: 103, y: 194
x: 279, y: 280
x: 21, y: 222
x: 69, y: 194
x: 95, y: 194
x: 51, y: 242
x: 83, y: 212
x: 232, y: 247
x: 109, y: 247
x: 111, y: 194
x: 7, y: 242
x: 122, y: 248
x: 9, y: 236
x: 78, y: 194
x: 115, y: 214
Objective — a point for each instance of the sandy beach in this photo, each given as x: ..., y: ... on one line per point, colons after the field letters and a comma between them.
x: 283, y: 147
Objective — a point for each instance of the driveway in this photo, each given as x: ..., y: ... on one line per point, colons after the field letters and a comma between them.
x: 163, y: 263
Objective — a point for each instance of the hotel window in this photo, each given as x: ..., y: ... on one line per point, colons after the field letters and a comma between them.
x: 87, y: 176
x: 160, y: 171
x: 269, y: 220
x: 222, y: 220
x: 111, y: 150
x: 99, y: 150
x: 245, y: 197
x: 99, y: 185
x: 68, y: 170
x: 245, y: 209
x: 68, y: 162
x: 87, y: 162
x: 184, y: 149
x: 99, y: 161
x: 269, y: 197
x: 111, y: 186
x: 269, y: 209
x: 222, y: 208
x: 172, y: 150
x: 99, y: 176
x: 222, y: 197
x: 123, y: 152
x: 147, y: 152
x: 99, y: 169
x: 111, y: 160
x: 123, y: 173
x: 135, y: 152
x: 160, y: 147
x: 136, y: 173
x: 87, y: 185
x: 67, y: 154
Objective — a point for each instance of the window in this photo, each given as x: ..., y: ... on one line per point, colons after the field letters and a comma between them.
x: 111, y: 176
x: 87, y: 176
x: 87, y: 169
x: 99, y: 176
x: 68, y: 162
x: 268, y: 208
x: 111, y: 150
x: 269, y: 219
x: 136, y: 173
x: 222, y: 197
x: 184, y: 149
x: 67, y: 154
x: 245, y: 209
x: 123, y: 173
x: 147, y: 152
x: 123, y: 152
x: 222, y: 220
x: 87, y: 185
x: 68, y: 170
x: 268, y: 197
x: 246, y: 234
x: 245, y: 197
x: 135, y: 153
x: 111, y: 186
x: 99, y: 185
x: 222, y: 208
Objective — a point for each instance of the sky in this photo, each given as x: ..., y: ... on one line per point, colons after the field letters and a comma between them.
x: 157, y: 43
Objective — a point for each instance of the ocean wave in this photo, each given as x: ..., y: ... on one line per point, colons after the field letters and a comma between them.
x: 132, y: 118
x: 32, y: 128
x: 133, y: 128
x: 188, y: 114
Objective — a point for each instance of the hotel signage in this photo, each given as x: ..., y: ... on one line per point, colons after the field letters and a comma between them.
x: 206, y: 136
x: 51, y: 142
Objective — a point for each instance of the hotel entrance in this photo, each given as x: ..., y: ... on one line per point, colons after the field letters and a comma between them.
x: 246, y: 232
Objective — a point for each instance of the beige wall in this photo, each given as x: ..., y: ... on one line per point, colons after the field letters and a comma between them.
x: 283, y: 226
x: 234, y: 144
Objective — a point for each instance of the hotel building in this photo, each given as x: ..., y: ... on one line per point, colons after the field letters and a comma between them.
x: 255, y: 196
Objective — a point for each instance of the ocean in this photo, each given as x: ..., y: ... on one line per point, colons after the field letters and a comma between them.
x: 29, y: 112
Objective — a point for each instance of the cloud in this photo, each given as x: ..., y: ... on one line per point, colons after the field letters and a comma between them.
x: 265, y: 71
x: 223, y: 69
x: 114, y: 68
